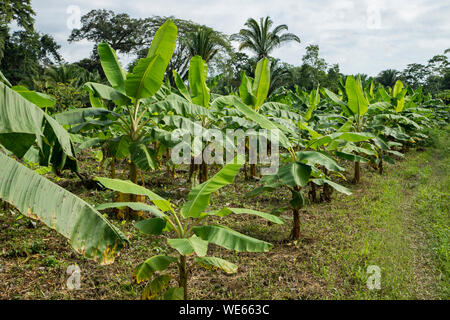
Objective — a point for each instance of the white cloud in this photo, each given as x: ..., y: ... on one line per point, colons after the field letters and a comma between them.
x: 362, y: 36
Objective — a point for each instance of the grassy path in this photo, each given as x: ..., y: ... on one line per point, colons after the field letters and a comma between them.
x: 399, y: 222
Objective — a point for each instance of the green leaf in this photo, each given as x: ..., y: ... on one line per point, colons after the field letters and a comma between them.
x: 153, y: 226
x: 279, y: 110
x: 181, y: 86
x: 27, y: 123
x: 262, y: 121
x: 366, y: 149
x: 314, y: 157
x: 189, y: 246
x: 396, y: 153
x: 155, y: 287
x: 198, y: 198
x: 381, y: 143
x: 4, y: 80
x: 42, y: 100
x: 246, y: 90
x: 198, y: 72
x: 384, y: 95
x: 298, y: 200
x: 357, y: 102
x: 148, y: 75
x: 227, y: 211
x: 335, y: 98
x: 180, y: 106
x: 126, y: 186
x: 159, y: 284
x: 164, y: 42
x: 347, y: 136
x: 137, y: 206
x: 231, y: 239
x: 334, y: 185
x: 213, y: 263
x: 397, y: 88
x: 388, y: 159
x: 144, y: 157
x: 119, y: 147
x: 314, y: 99
x: 99, y: 90
x: 88, y: 231
x: 146, y: 79
x: 261, y: 83
x: 145, y: 270
x: 401, y: 100
x: 351, y: 157
x: 77, y: 116
x: 174, y: 294
x: 294, y: 174
x: 111, y: 66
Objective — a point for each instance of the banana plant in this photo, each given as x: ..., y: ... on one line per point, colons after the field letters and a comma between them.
x: 24, y: 126
x: 313, y: 167
x: 297, y: 170
x: 187, y: 232
x: 397, y: 96
x: 253, y: 92
x: 355, y: 108
x: 199, y: 94
x: 142, y: 83
x: 132, y: 92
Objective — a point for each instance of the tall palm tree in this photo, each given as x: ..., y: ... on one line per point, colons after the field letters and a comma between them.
x: 388, y: 77
x: 203, y: 43
x: 260, y: 39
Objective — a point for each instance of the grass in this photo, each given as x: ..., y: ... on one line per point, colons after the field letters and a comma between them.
x: 398, y: 221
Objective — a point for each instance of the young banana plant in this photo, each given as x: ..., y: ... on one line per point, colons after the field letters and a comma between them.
x: 187, y: 232
x: 253, y: 92
x: 305, y: 168
x: 294, y: 174
x: 199, y: 94
x: 301, y: 168
x: 355, y: 108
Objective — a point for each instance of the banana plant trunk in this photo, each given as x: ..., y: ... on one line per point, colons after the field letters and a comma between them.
x: 183, y: 276
x: 380, y: 166
x: 193, y: 174
x: 113, y: 168
x: 203, y: 175
x: 253, y: 170
x: 5, y: 205
x: 313, y: 192
x: 296, y: 226
x: 357, y: 172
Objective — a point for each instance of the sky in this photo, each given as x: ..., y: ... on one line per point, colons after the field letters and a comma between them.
x: 361, y: 36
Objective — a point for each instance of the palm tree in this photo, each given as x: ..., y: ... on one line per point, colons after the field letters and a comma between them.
x: 388, y: 77
x: 70, y: 74
x: 203, y: 43
x: 260, y: 39
x: 280, y: 76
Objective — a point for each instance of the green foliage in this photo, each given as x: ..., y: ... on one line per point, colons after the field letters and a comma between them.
x: 192, y: 236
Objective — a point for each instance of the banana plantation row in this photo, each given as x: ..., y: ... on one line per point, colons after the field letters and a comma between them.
x: 135, y: 119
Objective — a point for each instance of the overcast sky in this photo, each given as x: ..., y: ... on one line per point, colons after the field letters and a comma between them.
x: 362, y: 36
